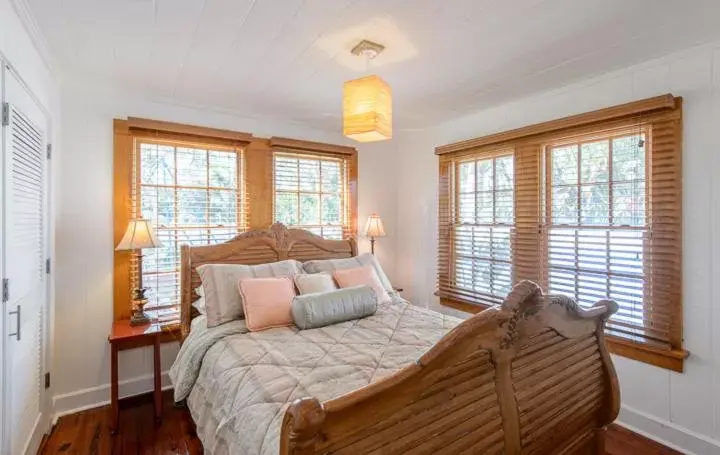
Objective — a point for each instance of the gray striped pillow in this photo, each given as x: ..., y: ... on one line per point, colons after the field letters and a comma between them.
x: 328, y: 265
x: 223, y: 302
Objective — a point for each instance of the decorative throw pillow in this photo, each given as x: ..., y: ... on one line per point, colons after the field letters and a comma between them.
x: 311, y: 311
x: 360, y: 276
x: 310, y: 283
x: 220, y: 285
x: 266, y: 302
x: 330, y: 265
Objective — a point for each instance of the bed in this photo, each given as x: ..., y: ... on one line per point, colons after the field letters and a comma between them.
x: 532, y: 376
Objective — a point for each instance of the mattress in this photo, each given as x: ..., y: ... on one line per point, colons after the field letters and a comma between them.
x: 238, y: 384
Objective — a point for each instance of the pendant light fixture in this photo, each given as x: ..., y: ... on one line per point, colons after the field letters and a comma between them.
x: 367, y: 102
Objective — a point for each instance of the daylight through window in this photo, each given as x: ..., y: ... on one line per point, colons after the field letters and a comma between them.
x: 310, y: 192
x: 483, y: 262
x: 596, y: 225
x: 193, y: 195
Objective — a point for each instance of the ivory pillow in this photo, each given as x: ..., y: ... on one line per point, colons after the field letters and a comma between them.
x: 330, y: 265
x: 314, y: 282
x: 360, y: 276
x: 223, y: 301
x: 267, y: 302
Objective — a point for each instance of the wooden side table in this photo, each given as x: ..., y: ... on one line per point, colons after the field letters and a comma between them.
x: 124, y: 336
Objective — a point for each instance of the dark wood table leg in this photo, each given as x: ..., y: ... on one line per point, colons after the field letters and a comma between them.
x: 158, y: 380
x: 114, y: 410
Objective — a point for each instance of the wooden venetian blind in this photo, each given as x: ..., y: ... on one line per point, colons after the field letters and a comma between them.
x: 478, y: 226
x: 313, y: 187
x: 596, y: 214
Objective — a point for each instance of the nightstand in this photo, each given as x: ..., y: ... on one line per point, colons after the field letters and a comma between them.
x: 124, y: 336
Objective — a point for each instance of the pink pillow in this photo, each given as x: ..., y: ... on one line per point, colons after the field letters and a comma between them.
x: 266, y: 302
x: 359, y: 276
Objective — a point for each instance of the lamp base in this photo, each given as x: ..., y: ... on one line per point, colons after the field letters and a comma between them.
x: 139, y: 317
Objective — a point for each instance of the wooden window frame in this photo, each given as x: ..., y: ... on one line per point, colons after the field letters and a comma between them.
x: 300, y: 148
x: 343, y: 165
x: 530, y: 144
x: 257, y: 167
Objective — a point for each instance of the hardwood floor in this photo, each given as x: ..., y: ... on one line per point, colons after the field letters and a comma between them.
x: 87, y: 433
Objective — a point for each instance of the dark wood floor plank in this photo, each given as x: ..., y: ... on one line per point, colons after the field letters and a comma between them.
x: 88, y: 433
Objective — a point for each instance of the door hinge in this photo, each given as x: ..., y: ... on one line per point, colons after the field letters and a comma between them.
x: 49, y: 151
x: 5, y: 290
x: 47, y: 380
x: 47, y: 266
x: 5, y: 114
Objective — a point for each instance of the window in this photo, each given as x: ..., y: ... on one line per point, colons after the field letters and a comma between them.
x: 310, y: 193
x: 192, y: 193
x: 201, y: 186
x: 596, y: 226
x: 587, y: 206
x: 482, y: 265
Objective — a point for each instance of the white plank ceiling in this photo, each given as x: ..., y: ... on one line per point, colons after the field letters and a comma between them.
x: 289, y: 58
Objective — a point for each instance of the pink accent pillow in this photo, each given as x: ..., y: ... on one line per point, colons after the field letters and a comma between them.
x: 359, y: 276
x: 267, y: 302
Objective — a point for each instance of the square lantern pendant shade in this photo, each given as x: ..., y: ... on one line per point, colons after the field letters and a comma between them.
x: 367, y: 109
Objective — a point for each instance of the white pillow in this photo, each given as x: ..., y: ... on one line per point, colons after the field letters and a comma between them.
x: 223, y: 302
x: 314, y: 282
x: 330, y: 265
x: 199, y: 305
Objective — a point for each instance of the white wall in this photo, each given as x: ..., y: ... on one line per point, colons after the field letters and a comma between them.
x: 84, y: 262
x: 683, y: 409
x: 22, y: 48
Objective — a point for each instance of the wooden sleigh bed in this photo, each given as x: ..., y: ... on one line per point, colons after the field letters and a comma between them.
x: 533, y: 376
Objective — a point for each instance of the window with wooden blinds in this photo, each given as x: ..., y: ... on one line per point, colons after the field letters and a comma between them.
x: 311, y: 192
x: 193, y: 194
x: 594, y: 213
x: 596, y: 228
x: 480, y: 226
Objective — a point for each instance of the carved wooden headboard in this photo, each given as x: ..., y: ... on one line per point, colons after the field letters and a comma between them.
x: 261, y: 246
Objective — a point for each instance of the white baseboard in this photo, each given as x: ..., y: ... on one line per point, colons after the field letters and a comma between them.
x: 94, y: 397
x: 667, y: 433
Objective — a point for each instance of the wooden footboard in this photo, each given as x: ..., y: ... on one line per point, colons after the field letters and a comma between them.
x: 530, y: 377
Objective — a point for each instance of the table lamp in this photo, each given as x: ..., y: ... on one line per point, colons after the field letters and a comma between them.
x: 138, y: 236
x: 374, y: 228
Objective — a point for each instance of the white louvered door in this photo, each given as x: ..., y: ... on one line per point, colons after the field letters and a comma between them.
x: 24, y: 237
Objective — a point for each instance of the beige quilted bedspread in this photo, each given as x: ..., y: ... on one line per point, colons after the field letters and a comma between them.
x: 238, y: 383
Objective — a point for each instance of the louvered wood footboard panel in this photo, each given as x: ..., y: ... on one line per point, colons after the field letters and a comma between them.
x: 528, y: 378
x: 558, y: 386
x: 461, y: 405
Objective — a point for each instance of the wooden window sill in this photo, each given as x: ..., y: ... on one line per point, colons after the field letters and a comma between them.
x: 670, y: 359
x: 673, y: 359
x: 466, y: 307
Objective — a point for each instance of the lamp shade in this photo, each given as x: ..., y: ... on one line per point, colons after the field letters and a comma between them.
x: 374, y: 226
x: 138, y: 235
x: 367, y: 109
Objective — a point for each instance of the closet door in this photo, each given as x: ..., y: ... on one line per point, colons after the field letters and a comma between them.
x: 25, y: 281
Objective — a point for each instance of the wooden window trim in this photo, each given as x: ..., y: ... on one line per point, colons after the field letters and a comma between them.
x: 257, y: 168
x: 665, y: 109
x: 307, y: 148
x: 636, y: 108
x: 126, y: 133
x: 668, y: 359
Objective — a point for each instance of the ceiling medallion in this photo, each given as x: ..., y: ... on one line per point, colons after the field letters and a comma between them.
x: 367, y: 102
